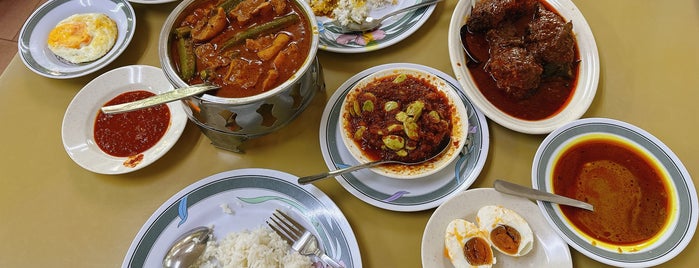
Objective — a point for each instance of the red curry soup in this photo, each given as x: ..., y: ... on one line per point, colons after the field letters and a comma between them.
x: 399, y: 117
x: 132, y: 133
x: 246, y: 47
x: 629, y: 190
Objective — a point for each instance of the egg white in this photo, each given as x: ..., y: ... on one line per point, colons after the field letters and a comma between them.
x: 490, y: 217
x: 99, y: 30
x: 458, y: 232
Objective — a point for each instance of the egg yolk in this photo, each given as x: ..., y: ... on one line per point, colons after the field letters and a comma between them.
x: 478, y: 252
x: 506, y: 239
x: 70, y: 35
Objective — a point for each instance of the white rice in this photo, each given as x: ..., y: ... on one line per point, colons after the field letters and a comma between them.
x: 259, y: 248
x: 348, y: 11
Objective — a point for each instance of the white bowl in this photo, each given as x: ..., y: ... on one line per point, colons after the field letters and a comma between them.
x: 578, y: 103
x: 79, y: 120
x: 682, y: 196
x: 33, y: 47
x: 459, y: 123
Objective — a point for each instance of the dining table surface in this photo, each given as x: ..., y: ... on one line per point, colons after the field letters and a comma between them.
x: 53, y: 213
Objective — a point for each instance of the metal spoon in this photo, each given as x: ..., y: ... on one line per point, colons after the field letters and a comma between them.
x: 187, y: 248
x: 371, y: 23
x: 308, y: 179
x: 518, y: 190
x: 173, y: 95
x: 462, y: 33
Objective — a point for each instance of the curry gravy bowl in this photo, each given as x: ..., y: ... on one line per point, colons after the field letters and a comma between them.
x: 645, y: 201
x: 243, y: 108
x: 375, y: 125
x: 583, y: 88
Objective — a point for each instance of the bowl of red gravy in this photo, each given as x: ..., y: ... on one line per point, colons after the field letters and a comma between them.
x: 124, y: 142
x: 539, y: 98
x: 403, y: 114
x: 644, y: 198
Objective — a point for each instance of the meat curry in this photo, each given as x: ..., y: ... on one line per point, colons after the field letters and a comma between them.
x: 244, y: 46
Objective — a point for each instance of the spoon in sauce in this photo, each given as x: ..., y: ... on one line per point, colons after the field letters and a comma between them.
x: 308, y: 179
x: 187, y: 248
x: 519, y: 190
x: 463, y: 32
x: 173, y: 95
x: 371, y: 23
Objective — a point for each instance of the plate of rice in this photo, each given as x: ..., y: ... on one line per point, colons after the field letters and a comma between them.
x: 392, y: 31
x: 236, y: 205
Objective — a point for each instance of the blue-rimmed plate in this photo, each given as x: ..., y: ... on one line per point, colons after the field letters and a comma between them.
x: 35, y: 53
x: 682, y: 196
x: 397, y: 194
x: 251, y: 195
x: 392, y: 30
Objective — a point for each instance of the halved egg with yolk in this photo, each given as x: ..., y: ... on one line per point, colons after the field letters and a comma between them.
x: 467, y: 245
x: 507, y: 231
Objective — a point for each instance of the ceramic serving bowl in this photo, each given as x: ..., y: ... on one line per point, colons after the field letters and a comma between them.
x: 618, y: 188
x: 458, y: 122
x: 581, y: 96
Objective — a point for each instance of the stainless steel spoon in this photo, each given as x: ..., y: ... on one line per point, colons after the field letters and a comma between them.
x: 519, y: 190
x: 308, y: 179
x: 187, y: 248
x: 371, y: 23
x: 173, y: 95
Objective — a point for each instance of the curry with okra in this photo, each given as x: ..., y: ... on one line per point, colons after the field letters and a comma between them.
x: 246, y: 47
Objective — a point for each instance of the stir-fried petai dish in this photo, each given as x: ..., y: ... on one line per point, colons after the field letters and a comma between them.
x: 399, y: 117
x: 244, y: 46
x: 529, y: 56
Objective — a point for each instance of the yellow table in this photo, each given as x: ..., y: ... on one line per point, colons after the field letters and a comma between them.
x: 54, y: 213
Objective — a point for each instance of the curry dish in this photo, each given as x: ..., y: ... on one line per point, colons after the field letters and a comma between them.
x: 244, y: 46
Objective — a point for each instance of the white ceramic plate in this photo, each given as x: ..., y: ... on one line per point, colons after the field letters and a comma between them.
x: 458, y: 120
x: 398, y: 194
x: 588, y: 76
x: 549, y: 249
x: 392, y: 31
x: 681, y: 229
x: 79, y: 120
x: 36, y: 55
x: 252, y: 195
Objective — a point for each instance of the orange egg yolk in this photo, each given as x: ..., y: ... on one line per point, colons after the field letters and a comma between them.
x: 70, y: 35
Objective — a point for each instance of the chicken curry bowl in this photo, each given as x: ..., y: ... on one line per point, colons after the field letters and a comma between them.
x: 246, y: 47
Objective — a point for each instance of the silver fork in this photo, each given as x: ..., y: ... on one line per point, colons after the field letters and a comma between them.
x: 298, y: 237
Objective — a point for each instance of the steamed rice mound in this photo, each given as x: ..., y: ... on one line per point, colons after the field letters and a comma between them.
x: 254, y: 249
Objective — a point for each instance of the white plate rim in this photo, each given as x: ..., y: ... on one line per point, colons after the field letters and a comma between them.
x: 396, y: 28
x: 588, y: 78
x: 687, y: 195
x: 466, y: 204
x: 34, y: 51
x: 269, y: 187
x: 398, y: 194
x: 78, y: 121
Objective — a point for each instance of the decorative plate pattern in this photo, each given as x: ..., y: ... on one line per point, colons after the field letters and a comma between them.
x: 251, y: 195
x: 397, y: 194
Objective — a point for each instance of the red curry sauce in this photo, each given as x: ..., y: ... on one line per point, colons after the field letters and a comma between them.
x: 131, y: 133
x: 546, y: 101
x: 628, y: 192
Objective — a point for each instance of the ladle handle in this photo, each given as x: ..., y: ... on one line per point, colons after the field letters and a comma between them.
x: 173, y: 95
x: 338, y: 172
x: 518, y: 190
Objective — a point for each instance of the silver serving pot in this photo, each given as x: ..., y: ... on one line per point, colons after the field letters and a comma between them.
x: 228, y: 122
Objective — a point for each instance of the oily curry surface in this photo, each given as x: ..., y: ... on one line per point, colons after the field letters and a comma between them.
x: 244, y: 46
x: 630, y: 196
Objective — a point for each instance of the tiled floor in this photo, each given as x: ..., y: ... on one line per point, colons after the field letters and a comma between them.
x: 13, y: 13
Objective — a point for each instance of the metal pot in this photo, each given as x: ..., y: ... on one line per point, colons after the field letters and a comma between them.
x: 228, y: 122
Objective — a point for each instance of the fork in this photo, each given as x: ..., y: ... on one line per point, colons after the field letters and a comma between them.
x: 298, y: 237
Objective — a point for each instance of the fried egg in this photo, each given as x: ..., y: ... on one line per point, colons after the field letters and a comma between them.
x: 83, y: 37
x: 467, y: 245
x: 507, y: 231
